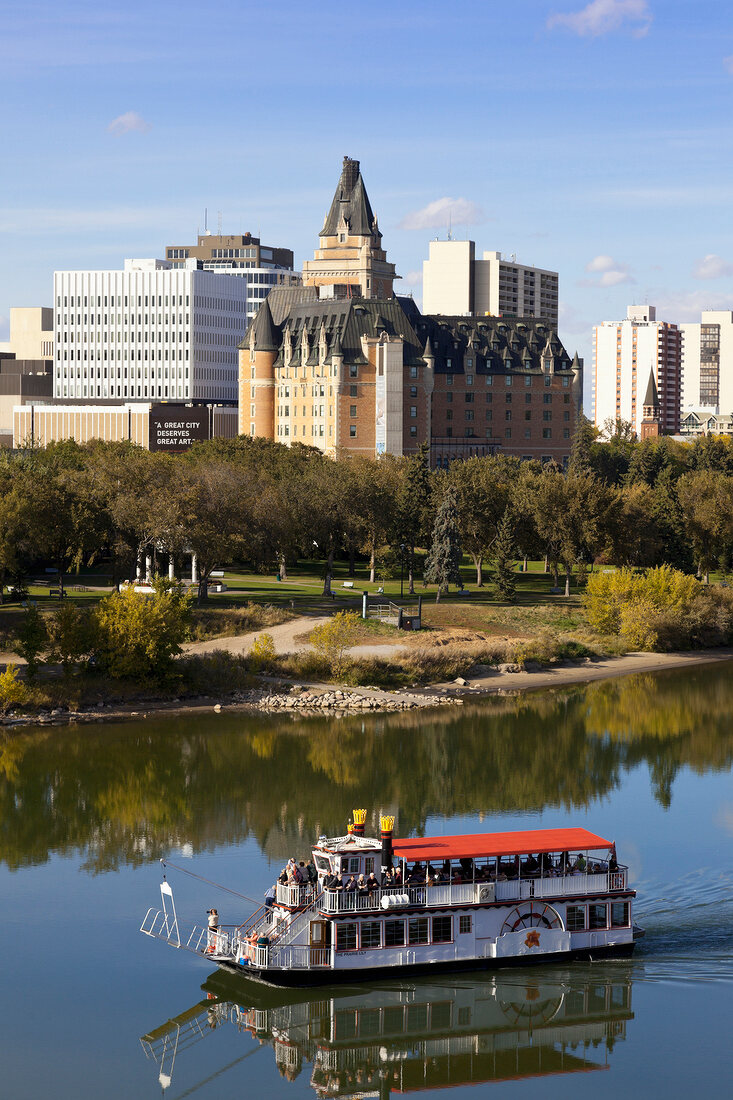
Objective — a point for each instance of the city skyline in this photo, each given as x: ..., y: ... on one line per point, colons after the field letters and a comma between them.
x: 589, y: 139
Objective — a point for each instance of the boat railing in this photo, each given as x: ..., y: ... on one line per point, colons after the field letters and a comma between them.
x: 295, y: 897
x: 201, y: 940
x: 447, y: 894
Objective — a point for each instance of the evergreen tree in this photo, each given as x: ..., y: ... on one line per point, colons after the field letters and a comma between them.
x: 504, y: 577
x: 586, y: 433
x: 412, y: 507
x: 442, y: 565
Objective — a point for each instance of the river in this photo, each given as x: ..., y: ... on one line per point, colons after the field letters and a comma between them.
x: 89, y: 1006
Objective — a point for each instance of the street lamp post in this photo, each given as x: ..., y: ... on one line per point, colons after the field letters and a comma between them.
x: 402, y: 570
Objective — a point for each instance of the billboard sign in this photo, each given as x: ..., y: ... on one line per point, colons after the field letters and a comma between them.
x: 174, y: 428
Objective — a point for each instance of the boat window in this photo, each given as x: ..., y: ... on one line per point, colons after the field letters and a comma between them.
x: 350, y: 865
x: 322, y: 863
x: 418, y: 930
x: 394, y: 933
x: 620, y: 914
x: 464, y: 924
x: 597, y: 916
x: 575, y: 918
x: 442, y: 929
x: 346, y: 937
x: 417, y: 1017
x: 368, y: 865
x: 440, y: 1015
x: 371, y: 933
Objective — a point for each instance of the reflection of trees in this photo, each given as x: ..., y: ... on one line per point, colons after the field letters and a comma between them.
x: 129, y: 793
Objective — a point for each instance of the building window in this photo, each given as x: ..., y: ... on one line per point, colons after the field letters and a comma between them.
x: 469, y: 363
x: 371, y: 934
x: 449, y: 432
x: 508, y: 379
x: 469, y: 379
x: 547, y: 433
x: 508, y: 399
x: 619, y: 914
x: 352, y: 431
x: 489, y: 414
x: 449, y: 378
x: 489, y: 380
x: 566, y: 382
x: 394, y: 933
x: 413, y: 391
x: 352, y: 391
x: 417, y: 930
x: 547, y: 416
x: 413, y: 411
x: 352, y: 410
x: 566, y: 398
x: 353, y: 370
x: 575, y: 918
x: 527, y: 433
x: 413, y: 372
x: 442, y: 929
x: 528, y: 380
x: 464, y: 925
x: 597, y: 915
x: 566, y: 433
x: 413, y: 429
x: 468, y: 415
x: 548, y: 381
x: 527, y: 414
x: 547, y: 398
x: 468, y: 398
x: 508, y: 414
x: 346, y: 937
x: 508, y: 433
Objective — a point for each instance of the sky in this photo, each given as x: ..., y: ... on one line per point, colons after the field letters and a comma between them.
x: 593, y: 139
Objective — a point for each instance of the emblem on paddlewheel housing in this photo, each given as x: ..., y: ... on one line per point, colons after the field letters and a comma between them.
x: 532, y: 939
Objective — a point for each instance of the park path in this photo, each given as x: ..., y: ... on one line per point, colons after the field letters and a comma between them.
x: 287, y: 639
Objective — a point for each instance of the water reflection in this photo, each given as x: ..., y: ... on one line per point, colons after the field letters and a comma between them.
x: 380, y: 1040
x: 128, y: 794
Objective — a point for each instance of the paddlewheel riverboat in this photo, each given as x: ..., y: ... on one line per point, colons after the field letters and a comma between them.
x: 447, y: 902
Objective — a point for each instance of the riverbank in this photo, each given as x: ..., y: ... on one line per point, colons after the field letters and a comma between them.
x: 309, y: 699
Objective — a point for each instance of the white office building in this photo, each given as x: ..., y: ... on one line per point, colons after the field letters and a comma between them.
x: 456, y: 284
x: 707, y: 361
x: 148, y: 332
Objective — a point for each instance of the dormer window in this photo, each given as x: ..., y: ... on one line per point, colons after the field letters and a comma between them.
x: 342, y: 238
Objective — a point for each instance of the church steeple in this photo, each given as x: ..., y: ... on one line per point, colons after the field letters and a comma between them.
x: 651, y: 423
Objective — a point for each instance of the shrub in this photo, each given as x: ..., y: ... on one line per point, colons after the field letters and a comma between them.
x: 331, y: 639
x: 262, y: 654
x: 217, y: 672
x: 12, y: 690
x: 71, y: 635
x: 138, y: 635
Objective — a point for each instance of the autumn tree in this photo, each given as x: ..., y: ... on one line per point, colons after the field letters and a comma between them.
x: 442, y: 566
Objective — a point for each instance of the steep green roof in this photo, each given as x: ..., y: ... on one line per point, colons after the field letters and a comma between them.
x: 351, y: 203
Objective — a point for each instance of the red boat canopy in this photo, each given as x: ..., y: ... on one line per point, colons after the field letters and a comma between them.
x: 477, y: 845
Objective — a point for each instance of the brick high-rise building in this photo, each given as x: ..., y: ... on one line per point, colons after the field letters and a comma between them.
x: 368, y: 373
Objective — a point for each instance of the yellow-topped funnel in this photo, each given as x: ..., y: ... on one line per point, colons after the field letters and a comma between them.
x: 359, y: 819
x: 386, y: 823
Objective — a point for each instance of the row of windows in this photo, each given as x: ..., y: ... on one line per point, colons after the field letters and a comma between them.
x: 469, y: 398
x: 396, y: 933
x: 89, y: 300
x: 508, y: 379
x: 596, y: 916
x: 469, y: 433
x: 162, y: 354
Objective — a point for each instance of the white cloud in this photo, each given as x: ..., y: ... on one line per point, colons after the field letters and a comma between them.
x: 412, y: 278
x: 611, y: 272
x: 444, y: 212
x: 687, y: 305
x: 125, y: 124
x: 712, y: 267
x: 602, y: 16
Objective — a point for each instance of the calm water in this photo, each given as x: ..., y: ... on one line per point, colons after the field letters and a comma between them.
x: 88, y: 1006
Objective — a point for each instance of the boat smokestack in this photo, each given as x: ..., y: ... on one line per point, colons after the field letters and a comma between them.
x: 386, y: 822
x: 359, y: 820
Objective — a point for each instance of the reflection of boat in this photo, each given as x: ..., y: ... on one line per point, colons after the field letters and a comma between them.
x: 403, y: 1037
x: 374, y: 908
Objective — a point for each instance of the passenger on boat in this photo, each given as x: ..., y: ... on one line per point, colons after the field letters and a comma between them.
x: 531, y: 865
x: 270, y: 896
x: 387, y: 878
x: 371, y: 882
x: 546, y: 865
x: 397, y: 876
x: 282, y: 878
x: 213, y: 928
x: 565, y: 862
x: 579, y: 864
x: 612, y: 864
x: 350, y: 887
x: 311, y: 872
x: 362, y: 887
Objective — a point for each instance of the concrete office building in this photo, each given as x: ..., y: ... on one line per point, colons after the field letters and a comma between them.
x: 625, y: 353
x: 261, y: 267
x: 31, y: 333
x: 167, y: 426
x: 22, y: 381
x: 707, y: 362
x: 147, y: 332
x: 455, y: 283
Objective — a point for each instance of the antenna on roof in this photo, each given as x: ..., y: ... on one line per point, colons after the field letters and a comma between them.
x: 206, y: 219
x: 219, y: 222
x: 450, y: 218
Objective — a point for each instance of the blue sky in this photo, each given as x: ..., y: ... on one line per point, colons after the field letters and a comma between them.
x: 591, y: 138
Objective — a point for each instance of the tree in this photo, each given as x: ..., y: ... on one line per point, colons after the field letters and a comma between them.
x: 138, y: 635
x: 505, y: 580
x: 32, y: 639
x: 483, y: 492
x: 333, y: 638
x: 442, y: 565
x: 71, y: 636
x: 706, y: 497
x: 215, y: 520
x: 413, y: 505
x: 581, y: 448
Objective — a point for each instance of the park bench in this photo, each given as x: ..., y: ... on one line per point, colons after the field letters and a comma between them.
x: 56, y: 594
x: 348, y: 584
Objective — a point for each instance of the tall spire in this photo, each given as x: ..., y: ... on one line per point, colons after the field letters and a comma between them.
x: 652, y: 397
x: 263, y: 329
x: 350, y: 206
